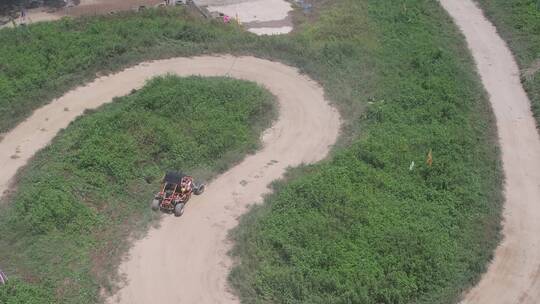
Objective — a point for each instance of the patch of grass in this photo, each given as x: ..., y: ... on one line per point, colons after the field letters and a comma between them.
x: 42, y: 61
x: 518, y: 22
x: 81, y: 197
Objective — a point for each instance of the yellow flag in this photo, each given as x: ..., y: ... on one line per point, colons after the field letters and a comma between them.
x: 429, y: 160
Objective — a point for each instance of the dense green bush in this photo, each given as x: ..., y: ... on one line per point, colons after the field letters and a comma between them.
x: 82, y: 195
x: 518, y: 21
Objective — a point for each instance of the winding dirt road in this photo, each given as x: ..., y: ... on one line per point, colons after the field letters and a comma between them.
x: 192, y: 251
x: 514, y: 275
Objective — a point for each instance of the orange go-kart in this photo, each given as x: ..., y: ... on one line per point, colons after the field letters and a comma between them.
x: 176, y: 190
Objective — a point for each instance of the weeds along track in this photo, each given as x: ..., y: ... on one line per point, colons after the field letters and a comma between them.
x: 193, y: 249
x: 514, y: 275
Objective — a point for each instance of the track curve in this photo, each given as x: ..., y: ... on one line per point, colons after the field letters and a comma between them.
x: 191, y: 253
x: 514, y: 275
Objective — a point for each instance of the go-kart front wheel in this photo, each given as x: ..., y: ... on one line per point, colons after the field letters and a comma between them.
x: 179, y: 209
x: 155, y: 205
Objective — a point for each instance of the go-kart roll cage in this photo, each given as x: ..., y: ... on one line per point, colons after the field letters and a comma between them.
x: 174, y: 179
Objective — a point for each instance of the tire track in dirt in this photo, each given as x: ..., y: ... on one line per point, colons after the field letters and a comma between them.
x: 185, y: 260
x: 513, y: 276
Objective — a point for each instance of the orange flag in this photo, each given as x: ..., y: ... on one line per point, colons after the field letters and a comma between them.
x: 429, y: 160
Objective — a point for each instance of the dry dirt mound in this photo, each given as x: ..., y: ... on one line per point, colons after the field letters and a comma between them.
x: 514, y: 275
x: 190, y: 254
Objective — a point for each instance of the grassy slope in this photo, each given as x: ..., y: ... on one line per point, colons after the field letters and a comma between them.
x: 42, y: 61
x: 518, y: 21
x: 77, y: 202
x: 362, y: 228
x: 402, y: 77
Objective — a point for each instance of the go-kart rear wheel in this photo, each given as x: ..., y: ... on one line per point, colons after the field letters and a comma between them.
x: 155, y: 205
x: 179, y: 209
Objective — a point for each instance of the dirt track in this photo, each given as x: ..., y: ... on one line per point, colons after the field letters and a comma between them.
x: 192, y: 250
x: 514, y: 275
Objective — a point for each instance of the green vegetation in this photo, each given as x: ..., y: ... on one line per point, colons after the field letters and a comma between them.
x: 359, y: 228
x: 363, y: 228
x: 42, y: 61
x: 518, y: 22
x: 80, y: 198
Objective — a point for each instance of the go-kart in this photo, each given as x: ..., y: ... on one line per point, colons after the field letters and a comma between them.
x: 176, y: 190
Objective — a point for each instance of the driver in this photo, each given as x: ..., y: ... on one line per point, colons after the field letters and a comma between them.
x: 186, y: 186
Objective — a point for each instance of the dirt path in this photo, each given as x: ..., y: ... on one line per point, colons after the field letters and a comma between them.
x: 192, y: 251
x: 262, y: 17
x: 514, y: 275
x: 86, y: 8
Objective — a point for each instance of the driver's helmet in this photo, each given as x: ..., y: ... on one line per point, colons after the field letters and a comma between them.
x: 185, y: 185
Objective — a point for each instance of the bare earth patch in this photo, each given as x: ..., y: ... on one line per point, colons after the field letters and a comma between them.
x: 275, y: 13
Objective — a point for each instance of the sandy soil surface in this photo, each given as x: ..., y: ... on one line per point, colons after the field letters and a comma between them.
x: 256, y: 11
x: 514, y: 275
x: 192, y: 251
